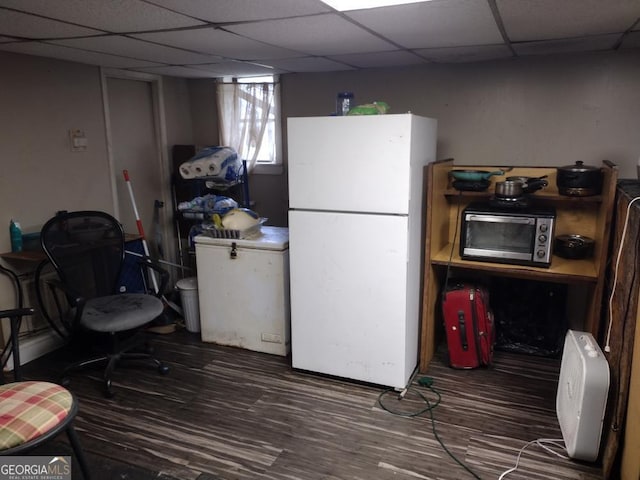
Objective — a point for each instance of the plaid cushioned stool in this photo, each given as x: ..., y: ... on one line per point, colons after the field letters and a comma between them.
x: 33, y: 412
x: 29, y: 410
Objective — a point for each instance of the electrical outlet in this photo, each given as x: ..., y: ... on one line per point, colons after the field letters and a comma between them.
x: 79, y: 142
x: 271, y: 338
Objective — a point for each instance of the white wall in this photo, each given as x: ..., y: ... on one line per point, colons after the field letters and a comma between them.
x: 177, y: 106
x: 536, y: 110
x: 204, y: 111
x: 40, y: 100
x: 529, y: 111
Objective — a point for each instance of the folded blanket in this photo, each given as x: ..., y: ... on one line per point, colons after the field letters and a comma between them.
x: 209, y: 204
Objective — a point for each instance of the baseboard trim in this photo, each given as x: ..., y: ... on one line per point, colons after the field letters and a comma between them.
x: 35, y: 346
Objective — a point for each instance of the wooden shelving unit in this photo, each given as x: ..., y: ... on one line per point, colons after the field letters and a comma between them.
x: 589, y: 216
x: 561, y: 270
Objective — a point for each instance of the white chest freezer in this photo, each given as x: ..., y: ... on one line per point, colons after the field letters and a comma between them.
x: 243, y: 291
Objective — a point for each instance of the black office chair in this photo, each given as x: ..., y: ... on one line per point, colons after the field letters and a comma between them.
x: 86, y: 249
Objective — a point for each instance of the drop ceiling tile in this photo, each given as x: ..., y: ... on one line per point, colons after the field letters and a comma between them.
x: 129, y: 47
x: 439, y: 23
x: 217, y: 42
x: 397, y: 58
x: 177, y: 71
x: 530, y: 20
x: 110, y: 15
x: 327, y: 34
x: 631, y: 40
x: 237, y: 69
x: 465, y: 54
x: 31, y: 27
x: 573, y: 45
x: 308, y: 64
x: 220, y: 11
x: 73, y: 55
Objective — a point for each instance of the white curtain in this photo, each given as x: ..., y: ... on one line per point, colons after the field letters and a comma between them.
x: 244, y: 111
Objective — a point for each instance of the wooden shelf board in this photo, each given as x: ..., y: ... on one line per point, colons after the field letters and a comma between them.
x: 542, y: 195
x: 25, y: 256
x: 561, y: 270
x: 39, y: 255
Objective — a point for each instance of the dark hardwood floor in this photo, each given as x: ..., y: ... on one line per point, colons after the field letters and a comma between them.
x: 226, y: 413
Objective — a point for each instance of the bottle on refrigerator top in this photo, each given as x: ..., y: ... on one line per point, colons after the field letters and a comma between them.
x: 344, y: 103
x: 16, y: 236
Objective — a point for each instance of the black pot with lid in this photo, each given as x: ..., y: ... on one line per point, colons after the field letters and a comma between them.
x: 574, y: 247
x: 579, y: 180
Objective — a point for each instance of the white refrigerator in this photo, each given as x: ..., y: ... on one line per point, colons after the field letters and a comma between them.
x: 355, y: 243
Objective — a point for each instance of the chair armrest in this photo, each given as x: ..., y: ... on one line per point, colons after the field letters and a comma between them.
x: 16, y: 312
x: 57, y: 291
x: 74, y: 299
x: 147, y: 262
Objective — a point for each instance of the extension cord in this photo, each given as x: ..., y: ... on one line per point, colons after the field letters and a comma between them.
x: 425, y: 381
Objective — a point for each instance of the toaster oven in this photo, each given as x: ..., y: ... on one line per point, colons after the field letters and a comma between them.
x: 522, y: 236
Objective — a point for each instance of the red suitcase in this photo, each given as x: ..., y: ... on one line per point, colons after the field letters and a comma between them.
x: 468, y: 321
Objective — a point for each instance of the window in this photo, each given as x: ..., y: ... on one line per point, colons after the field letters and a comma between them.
x: 248, y: 112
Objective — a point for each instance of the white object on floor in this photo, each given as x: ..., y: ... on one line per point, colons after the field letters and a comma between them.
x: 581, y: 399
x: 243, y: 287
x: 188, y: 288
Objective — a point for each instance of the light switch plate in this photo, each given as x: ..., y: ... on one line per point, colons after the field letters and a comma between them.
x: 78, y: 140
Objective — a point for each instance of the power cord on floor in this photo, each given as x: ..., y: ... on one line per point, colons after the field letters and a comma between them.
x: 426, y: 382
x: 607, y: 346
x: 556, y: 442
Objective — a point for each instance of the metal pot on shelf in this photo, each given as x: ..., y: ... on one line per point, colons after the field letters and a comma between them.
x: 574, y: 247
x: 530, y: 184
x: 579, y: 180
x: 509, y: 189
x: 517, y: 186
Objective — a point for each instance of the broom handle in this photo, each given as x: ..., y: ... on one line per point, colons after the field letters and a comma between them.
x: 140, y: 228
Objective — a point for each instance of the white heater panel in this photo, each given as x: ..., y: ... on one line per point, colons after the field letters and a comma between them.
x: 581, y: 400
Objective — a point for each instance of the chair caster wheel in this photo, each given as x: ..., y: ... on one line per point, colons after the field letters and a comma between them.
x: 108, y: 393
x: 163, y: 369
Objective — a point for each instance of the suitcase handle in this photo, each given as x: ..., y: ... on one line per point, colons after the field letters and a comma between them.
x: 463, y: 330
x: 481, y: 338
x: 474, y: 319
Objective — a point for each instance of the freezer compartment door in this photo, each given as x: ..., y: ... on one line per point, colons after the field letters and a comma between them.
x: 348, y: 296
x: 244, y: 297
x: 358, y: 164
